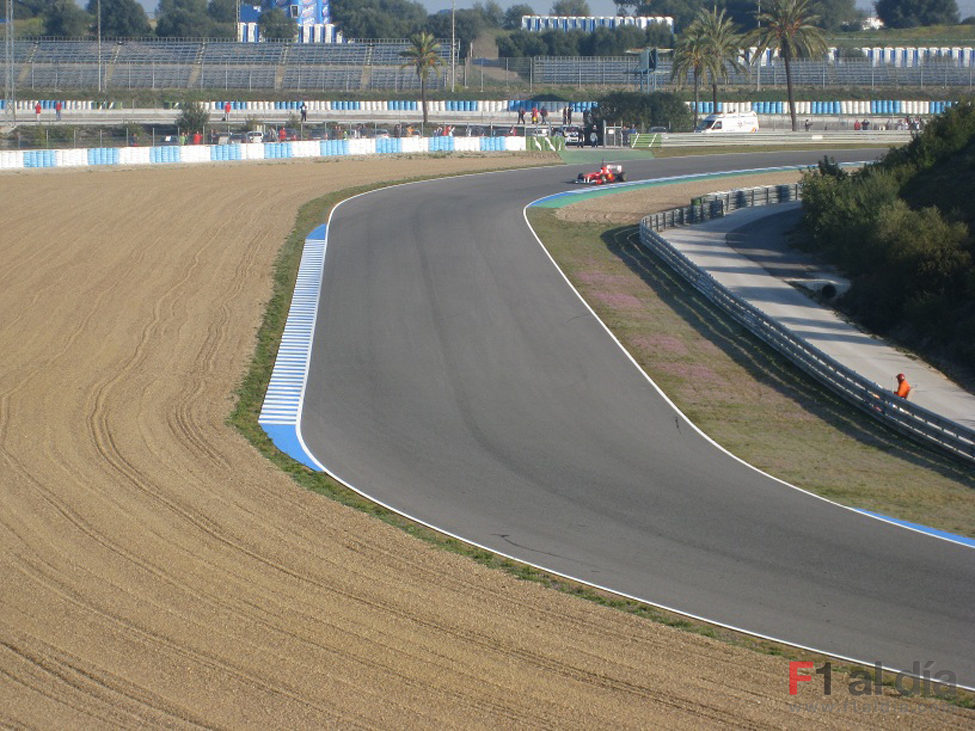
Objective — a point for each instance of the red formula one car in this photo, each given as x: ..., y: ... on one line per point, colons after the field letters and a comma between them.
x: 608, y: 173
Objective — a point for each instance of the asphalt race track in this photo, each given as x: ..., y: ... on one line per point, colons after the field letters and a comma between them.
x: 458, y: 379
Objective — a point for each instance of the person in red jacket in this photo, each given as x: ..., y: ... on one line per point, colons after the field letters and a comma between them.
x: 903, y: 387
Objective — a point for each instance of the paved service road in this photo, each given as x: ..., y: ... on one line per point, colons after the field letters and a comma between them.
x: 457, y: 378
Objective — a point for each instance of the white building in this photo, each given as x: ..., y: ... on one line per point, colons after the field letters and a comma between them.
x: 589, y: 23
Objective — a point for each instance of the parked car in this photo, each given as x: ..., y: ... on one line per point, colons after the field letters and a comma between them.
x: 572, y: 134
x: 254, y: 136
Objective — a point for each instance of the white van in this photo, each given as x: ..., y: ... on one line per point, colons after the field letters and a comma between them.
x: 723, y: 122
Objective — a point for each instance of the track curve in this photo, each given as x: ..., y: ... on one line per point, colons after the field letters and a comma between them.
x: 457, y: 378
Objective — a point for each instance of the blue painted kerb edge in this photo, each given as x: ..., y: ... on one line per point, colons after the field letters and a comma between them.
x: 281, y: 410
x: 285, y: 438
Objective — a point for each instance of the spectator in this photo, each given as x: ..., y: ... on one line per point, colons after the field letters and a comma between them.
x: 282, y: 135
x: 856, y: 125
x: 903, y: 387
x: 544, y: 114
x: 521, y: 115
x: 226, y: 111
x: 57, y: 110
x: 37, y: 110
x: 304, y: 112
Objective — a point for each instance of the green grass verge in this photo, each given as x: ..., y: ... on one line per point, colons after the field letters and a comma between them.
x: 250, y: 395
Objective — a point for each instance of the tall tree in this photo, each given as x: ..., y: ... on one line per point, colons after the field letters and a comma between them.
x: 571, y: 7
x: 912, y: 13
x: 788, y: 27
x: 378, y: 18
x: 690, y: 59
x: 277, y: 25
x: 491, y: 12
x: 222, y: 11
x: 121, y: 18
x: 66, y: 20
x: 182, y: 19
x: 423, y: 56
x: 682, y: 11
x: 626, y: 7
x: 723, y: 48
x: 467, y: 26
x: 512, y: 16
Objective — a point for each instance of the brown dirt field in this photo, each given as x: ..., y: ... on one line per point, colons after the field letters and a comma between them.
x: 156, y: 571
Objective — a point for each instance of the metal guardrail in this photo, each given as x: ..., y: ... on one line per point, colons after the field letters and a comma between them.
x: 870, y: 397
x: 760, y: 138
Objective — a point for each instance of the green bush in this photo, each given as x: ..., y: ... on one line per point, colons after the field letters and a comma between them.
x: 911, y: 267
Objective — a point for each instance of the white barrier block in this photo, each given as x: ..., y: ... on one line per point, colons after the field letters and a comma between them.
x: 11, y: 159
x: 195, y: 153
x: 514, y: 144
x: 414, y: 144
x: 70, y: 158
x: 252, y: 151
x: 467, y: 144
x: 305, y: 148
x: 359, y: 146
x: 134, y: 155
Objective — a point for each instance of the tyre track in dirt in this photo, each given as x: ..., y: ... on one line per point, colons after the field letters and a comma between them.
x: 155, y: 571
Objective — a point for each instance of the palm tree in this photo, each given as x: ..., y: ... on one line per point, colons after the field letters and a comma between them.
x: 723, y: 48
x: 690, y: 58
x: 424, y: 56
x: 787, y: 26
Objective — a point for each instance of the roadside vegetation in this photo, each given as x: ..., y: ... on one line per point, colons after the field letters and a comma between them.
x: 901, y: 230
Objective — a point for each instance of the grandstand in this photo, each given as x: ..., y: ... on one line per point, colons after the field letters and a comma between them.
x: 44, y: 64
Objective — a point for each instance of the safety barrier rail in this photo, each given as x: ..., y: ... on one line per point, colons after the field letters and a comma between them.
x: 878, y: 402
x: 21, y: 159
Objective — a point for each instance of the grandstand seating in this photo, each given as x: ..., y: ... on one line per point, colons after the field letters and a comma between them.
x: 312, y: 78
x: 232, y: 54
x: 213, y: 76
x: 343, y: 54
x: 169, y: 52
x: 148, y: 76
x: 132, y: 64
x: 396, y: 79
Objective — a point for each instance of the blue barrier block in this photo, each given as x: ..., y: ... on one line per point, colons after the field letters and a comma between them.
x: 103, y: 156
x: 284, y: 149
x: 39, y: 159
x: 169, y: 153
